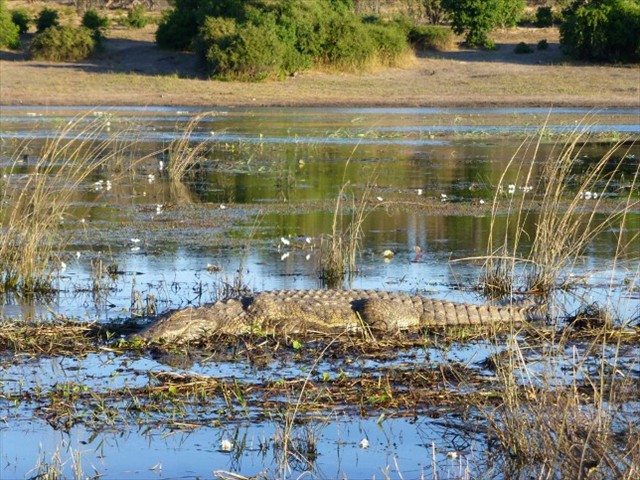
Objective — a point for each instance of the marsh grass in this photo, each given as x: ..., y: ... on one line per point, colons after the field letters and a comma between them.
x: 567, y: 222
x: 184, y: 155
x: 338, y: 251
x: 37, y: 198
x: 567, y: 408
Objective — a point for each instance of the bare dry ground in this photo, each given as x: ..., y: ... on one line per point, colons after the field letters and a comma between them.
x: 131, y: 70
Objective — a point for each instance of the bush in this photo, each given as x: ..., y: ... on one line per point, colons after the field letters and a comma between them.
x: 605, y: 30
x: 477, y: 18
x: 180, y: 25
x: 136, y: 17
x: 295, y: 35
x: 241, y: 52
x: 425, y: 37
x: 9, y: 31
x: 348, y: 46
x: 63, y: 44
x: 22, y: 19
x: 46, y: 18
x: 544, y: 17
x: 95, y: 22
x: 522, y: 48
x: 543, y: 45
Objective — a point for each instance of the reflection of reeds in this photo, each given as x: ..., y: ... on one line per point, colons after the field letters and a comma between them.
x: 35, y: 204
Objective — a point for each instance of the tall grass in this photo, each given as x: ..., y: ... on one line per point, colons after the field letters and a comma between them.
x: 183, y: 153
x: 36, y: 200
x: 567, y: 400
x: 566, y: 221
x: 339, y: 250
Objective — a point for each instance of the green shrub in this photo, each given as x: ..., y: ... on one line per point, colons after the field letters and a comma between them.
x: 246, y: 52
x: 428, y: 37
x: 180, y: 25
x: 544, y: 17
x: 63, y: 44
x: 348, y: 46
x: 509, y: 12
x: 136, y: 17
x: 22, y: 19
x: 522, y: 48
x: 95, y: 22
x: 390, y: 42
x: 543, y: 44
x: 9, y: 31
x: 47, y: 18
x: 604, y: 30
x: 258, y: 39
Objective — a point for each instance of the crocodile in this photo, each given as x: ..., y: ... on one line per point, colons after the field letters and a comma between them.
x: 286, y: 312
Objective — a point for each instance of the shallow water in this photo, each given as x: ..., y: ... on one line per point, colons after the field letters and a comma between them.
x: 258, y: 209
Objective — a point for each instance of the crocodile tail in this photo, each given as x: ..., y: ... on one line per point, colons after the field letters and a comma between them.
x: 439, y: 313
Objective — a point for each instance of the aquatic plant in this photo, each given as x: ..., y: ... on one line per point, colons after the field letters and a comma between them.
x: 183, y: 153
x: 36, y: 198
x: 564, y: 227
x: 339, y: 250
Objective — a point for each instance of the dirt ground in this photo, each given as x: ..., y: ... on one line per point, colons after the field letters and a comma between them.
x: 131, y: 70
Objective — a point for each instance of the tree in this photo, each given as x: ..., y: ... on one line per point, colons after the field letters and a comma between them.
x: 9, y: 32
x: 607, y: 30
x: 477, y: 18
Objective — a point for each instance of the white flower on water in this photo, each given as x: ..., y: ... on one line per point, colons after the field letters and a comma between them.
x: 388, y: 253
x: 526, y: 189
x: 364, y: 443
x: 443, y: 197
x: 63, y: 266
x: 511, y: 189
x: 380, y: 199
x: 135, y: 249
x: 452, y: 455
x: 419, y: 191
x: 284, y: 256
x: 151, y: 178
x: 159, y: 208
x: 223, y: 207
x: 285, y: 241
x: 78, y: 254
x: 308, y: 257
x: 108, y: 186
x: 226, y: 445
x: 482, y: 202
x: 135, y: 240
x: 160, y: 165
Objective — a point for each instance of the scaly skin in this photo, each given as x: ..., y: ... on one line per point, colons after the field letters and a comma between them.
x: 286, y: 312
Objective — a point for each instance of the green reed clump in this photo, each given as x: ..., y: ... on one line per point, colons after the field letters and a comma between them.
x: 36, y: 199
x: 338, y: 252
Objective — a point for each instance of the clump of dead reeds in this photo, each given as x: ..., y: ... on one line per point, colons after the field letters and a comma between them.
x: 36, y: 199
x: 566, y: 409
x: 183, y: 153
x: 566, y: 220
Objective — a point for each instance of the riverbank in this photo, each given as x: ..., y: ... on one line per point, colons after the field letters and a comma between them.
x: 131, y: 70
